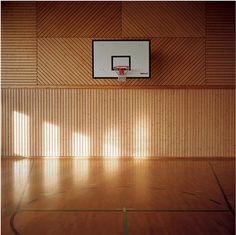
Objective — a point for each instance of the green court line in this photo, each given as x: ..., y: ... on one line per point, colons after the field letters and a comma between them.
x: 69, y: 210
x: 176, y: 210
x: 124, y: 210
x: 7, y: 210
x: 125, y: 222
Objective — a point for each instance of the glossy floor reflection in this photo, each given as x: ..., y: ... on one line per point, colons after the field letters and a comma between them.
x: 136, y: 195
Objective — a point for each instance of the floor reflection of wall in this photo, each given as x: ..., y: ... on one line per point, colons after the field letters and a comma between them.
x: 20, y: 177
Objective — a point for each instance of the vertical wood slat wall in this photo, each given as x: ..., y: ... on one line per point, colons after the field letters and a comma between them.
x: 137, y: 122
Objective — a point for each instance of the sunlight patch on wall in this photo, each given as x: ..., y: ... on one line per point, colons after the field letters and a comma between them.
x: 51, y: 140
x: 140, y: 138
x: 21, y: 134
x: 80, y: 145
x: 111, y: 147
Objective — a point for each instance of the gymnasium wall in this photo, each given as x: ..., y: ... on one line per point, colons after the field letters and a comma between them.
x: 52, y: 104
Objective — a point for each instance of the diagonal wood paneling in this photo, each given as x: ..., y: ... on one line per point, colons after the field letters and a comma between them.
x: 65, y: 29
x: 64, y: 61
x: 67, y: 61
x: 178, y: 61
x: 220, y: 43
x: 18, y: 44
x: 175, y: 61
x: 121, y: 122
x: 163, y: 19
x: 79, y: 19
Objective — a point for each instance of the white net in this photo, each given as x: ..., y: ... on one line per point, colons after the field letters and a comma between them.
x: 121, y: 72
x: 121, y: 78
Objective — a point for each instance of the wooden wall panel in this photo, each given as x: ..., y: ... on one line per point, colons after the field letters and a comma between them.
x: 107, y: 122
x: 54, y: 39
x: 79, y: 19
x: 64, y: 31
x: 163, y: 19
x: 178, y: 61
x: 18, y: 44
x: 220, y: 19
x: 220, y: 43
x: 64, y: 61
x: 175, y: 61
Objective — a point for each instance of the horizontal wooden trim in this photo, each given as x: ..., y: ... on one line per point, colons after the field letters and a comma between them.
x: 120, y: 87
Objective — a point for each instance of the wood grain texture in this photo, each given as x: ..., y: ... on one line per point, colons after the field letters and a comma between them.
x: 172, y: 223
x: 159, y: 195
x: 133, y: 122
x: 64, y: 61
x: 163, y: 19
x: 79, y: 19
x: 60, y: 223
x: 220, y: 43
x: 175, y: 61
x: 18, y: 44
x: 54, y: 38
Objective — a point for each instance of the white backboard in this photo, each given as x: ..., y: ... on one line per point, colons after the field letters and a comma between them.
x: 132, y: 53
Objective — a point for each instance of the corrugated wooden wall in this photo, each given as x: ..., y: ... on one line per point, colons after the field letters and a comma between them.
x: 49, y: 43
x: 120, y: 122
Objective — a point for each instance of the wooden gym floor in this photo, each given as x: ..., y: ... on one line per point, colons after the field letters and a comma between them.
x: 117, y: 196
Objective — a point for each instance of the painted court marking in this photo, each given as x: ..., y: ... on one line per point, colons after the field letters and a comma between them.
x: 124, y: 210
x: 221, y: 189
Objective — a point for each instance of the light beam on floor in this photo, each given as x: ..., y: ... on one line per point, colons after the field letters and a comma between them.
x: 80, y: 171
x: 51, y: 175
x: 111, y: 166
x: 20, y: 177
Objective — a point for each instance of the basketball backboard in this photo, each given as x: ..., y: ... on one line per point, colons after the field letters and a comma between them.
x: 108, y: 54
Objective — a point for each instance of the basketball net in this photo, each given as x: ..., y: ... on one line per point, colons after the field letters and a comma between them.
x: 121, y: 71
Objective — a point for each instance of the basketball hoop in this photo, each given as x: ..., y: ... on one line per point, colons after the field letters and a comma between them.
x: 121, y: 71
